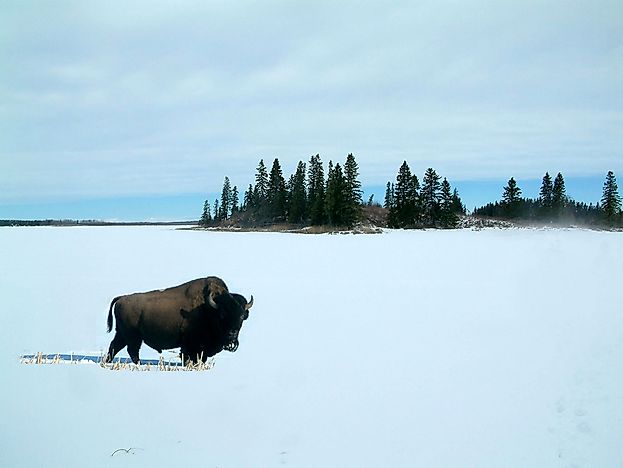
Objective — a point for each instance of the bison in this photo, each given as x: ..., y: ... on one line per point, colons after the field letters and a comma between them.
x: 201, y: 317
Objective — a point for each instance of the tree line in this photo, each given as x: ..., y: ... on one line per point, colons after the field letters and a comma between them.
x: 553, y: 204
x: 431, y: 204
x: 308, y: 197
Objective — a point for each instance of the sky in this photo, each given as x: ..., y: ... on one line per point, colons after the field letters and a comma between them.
x: 109, y: 108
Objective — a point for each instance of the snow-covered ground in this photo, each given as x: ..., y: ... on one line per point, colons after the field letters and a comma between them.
x: 498, y: 348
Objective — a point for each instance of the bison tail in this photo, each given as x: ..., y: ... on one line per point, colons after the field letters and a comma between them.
x: 112, y: 304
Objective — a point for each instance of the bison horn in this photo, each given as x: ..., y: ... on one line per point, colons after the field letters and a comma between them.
x: 249, y: 304
x: 213, y: 304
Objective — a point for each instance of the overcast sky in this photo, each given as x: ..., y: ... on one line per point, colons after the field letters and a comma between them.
x: 101, y: 99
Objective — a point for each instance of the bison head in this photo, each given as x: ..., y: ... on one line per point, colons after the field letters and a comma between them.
x: 233, y: 309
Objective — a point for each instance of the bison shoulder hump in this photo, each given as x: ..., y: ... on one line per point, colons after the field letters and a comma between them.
x: 217, y: 285
x: 195, y: 290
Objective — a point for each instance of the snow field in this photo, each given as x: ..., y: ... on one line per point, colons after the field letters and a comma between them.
x: 410, y: 348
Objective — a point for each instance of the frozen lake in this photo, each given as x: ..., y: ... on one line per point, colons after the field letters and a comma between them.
x: 411, y: 348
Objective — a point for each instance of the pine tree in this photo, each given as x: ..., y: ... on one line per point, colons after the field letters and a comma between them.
x: 336, y: 197
x: 415, y: 198
x: 216, y: 210
x: 316, y: 191
x: 247, y: 204
x: 511, y: 199
x: 559, y: 196
x: 297, y: 200
x: 234, y: 200
x: 546, y: 196
x: 447, y: 216
x: 390, y: 205
x: 276, y: 195
x: 389, y: 197
x: 353, y: 191
x: 457, y: 204
x: 225, y: 200
x: 430, y: 196
x: 610, y: 200
x: 260, y: 192
x: 404, y: 197
x: 206, y: 218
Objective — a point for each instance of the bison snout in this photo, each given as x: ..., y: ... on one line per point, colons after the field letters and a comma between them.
x: 232, y: 345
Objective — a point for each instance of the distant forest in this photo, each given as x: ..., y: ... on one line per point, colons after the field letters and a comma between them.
x: 554, y: 206
x: 85, y: 222
x: 308, y: 198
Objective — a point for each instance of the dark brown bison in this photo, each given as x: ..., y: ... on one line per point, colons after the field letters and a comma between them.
x: 200, y: 317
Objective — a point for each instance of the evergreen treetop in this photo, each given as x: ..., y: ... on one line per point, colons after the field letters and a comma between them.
x: 276, y: 194
x: 559, y: 195
x: 206, y: 217
x: 546, y: 196
x: 226, y: 200
x: 511, y: 198
x: 447, y: 216
x: 316, y: 191
x: 336, y: 199
x: 610, y: 200
x: 297, y: 199
x: 430, y: 196
x: 261, y: 183
x: 353, y: 191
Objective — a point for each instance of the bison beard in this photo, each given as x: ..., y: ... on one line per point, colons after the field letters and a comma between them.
x: 200, y: 317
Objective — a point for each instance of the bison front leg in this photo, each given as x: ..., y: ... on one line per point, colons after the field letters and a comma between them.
x: 190, y: 355
x: 133, y: 348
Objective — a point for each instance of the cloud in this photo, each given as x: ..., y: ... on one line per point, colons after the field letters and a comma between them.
x: 151, y: 97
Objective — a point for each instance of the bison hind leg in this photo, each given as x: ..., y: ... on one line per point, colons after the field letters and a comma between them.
x: 133, y: 348
x: 116, y: 345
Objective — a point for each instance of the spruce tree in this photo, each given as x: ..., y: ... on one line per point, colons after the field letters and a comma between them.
x: 297, y: 200
x: 276, y: 194
x: 336, y: 197
x: 316, y: 191
x: 559, y: 196
x: 511, y: 199
x: 457, y: 204
x: 329, y: 198
x: 610, y: 200
x: 447, y: 215
x: 206, y: 218
x: 546, y: 196
x: 415, y: 198
x: 404, y: 197
x: 247, y: 203
x: 353, y: 191
x: 390, y: 205
x: 216, y: 210
x: 234, y: 200
x: 260, y: 192
x: 225, y: 200
x: 389, y: 197
x: 430, y: 196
